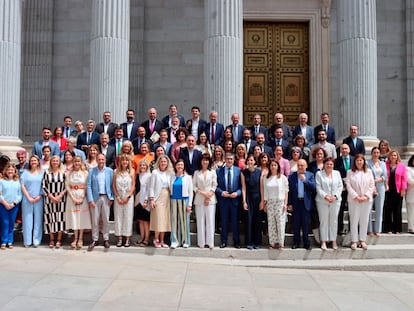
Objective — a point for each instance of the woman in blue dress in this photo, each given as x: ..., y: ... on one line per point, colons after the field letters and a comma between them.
x: 32, y: 203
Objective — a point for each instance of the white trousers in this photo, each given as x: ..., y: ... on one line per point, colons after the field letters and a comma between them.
x: 359, y: 216
x: 101, y: 209
x: 205, y: 215
x: 328, y: 220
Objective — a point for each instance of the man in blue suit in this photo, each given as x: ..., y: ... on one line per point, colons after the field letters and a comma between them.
x: 100, y: 199
x: 190, y: 155
x: 329, y: 129
x: 214, y: 130
x: 88, y: 138
x: 229, y: 192
x: 302, y: 186
x: 236, y: 128
x: 38, y: 145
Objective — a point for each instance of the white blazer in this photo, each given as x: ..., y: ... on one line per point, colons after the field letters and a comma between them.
x: 209, y: 183
x: 187, y: 190
x: 328, y: 186
x: 409, y: 197
x: 359, y: 183
x: 155, y: 184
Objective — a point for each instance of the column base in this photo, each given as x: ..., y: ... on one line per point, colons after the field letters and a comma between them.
x: 10, y: 145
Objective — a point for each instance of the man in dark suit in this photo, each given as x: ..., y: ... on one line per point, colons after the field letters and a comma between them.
x: 279, y: 141
x: 173, y: 112
x: 302, y: 187
x: 163, y: 142
x: 67, y: 129
x: 278, y: 121
x: 247, y: 140
x: 228, y: 193
x: 190, y: 156
x: 152, y: 125
x: 141, y: 138
x: 329, y: 129
x: 172, y: 130
x: 107, y: 126
x: 257, y: 127
x: 118, y: 139
x: 356, y: 145
x: 107, y: 150
x: 88, y: 138
x: 130, y: 126
x: 214, y: 130
x: 236, y: 128
x: 196, y: 125
x: 260, y: 141
x: 343, y: 164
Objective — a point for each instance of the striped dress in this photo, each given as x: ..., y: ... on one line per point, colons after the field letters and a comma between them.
x: 54, y: 213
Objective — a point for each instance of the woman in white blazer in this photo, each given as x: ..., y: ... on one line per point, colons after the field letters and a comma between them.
x: 329, y: 187
x: 205, y: 184
x: 360, y: 185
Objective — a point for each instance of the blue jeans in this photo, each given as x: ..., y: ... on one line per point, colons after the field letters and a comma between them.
x: 7, y: 219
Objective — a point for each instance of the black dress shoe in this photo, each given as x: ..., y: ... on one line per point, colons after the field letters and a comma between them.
x: 106, y: 244
x: 295, y: 246
x: 92, y: 245
x: 223, y: 245
x: 237, y: 245
x: 308, y: 247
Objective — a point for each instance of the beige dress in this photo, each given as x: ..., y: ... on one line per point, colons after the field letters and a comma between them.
x: 77, y: 216
x: 160, y: 215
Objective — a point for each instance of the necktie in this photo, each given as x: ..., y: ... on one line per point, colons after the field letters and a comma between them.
x: 278, y: 142
x: 67, y: 132
x: 212, y: 134
x: 118, y: 151
x: 257, y: 130
x: 235, y: 132
x: 152, y: 126
x: 88, y: 139
x: 346, y: 163
x: 229, y: 190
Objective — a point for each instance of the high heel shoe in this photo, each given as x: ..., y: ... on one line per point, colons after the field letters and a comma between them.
x: 364, y: 245
x: 353, y: 246
x: 79, y: 245
x: 334, y: 245
x: 73, y: 244
x: 323, y: 246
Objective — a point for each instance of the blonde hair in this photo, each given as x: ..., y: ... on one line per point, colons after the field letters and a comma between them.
x: 50, y: 164
x: 121, y: 158
x: 8, y: 165
x: 169, y: 169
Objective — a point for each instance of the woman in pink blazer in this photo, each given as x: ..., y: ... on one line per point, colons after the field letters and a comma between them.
x: 397, y: 184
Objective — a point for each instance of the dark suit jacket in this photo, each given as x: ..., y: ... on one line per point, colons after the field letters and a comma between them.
x: 250, y: 146
x: 236, y: 185
x: 95, y: 139
x: 111, y: 129
x: 218, y: 134
x: 158, y: 126
x: 167, y: 148
x: 110, y: 156
x: 201, y: 126
x: 72, y: 131
x: 133, y: 131
x: 166, y: 120
x: 287, y: 132
x: 340, y: 166
x: 285, y: 146
x: 360, y: 146
x: 309, y: 190
x: 190, y: 168
x: 331, y: 136
x: 262, y: 129
x: 240, y: 129
x: 136, y: 144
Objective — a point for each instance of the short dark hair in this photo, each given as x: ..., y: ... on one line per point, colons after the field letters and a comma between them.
x: 195, y: 107
x: 205, y: 156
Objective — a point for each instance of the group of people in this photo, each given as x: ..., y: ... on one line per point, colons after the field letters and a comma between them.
x: 157, y: 171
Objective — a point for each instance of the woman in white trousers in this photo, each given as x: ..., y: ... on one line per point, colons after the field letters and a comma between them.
x: 204, y: 185
x: 329, y: 187
x: 360, y: 185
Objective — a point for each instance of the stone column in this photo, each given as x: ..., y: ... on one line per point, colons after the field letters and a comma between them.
x: 10, y: 61
x: 109, y: 58
x: 37, y: 61
x: 409, y: 7
x: 223, y: 58
x: 357, y: 46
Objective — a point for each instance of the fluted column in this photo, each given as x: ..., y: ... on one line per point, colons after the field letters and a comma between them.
x: 37, y: 61
x: 223, y: 58
x: 357, y: 74
x: 409, y: 7
x: 10, y: 61
x: 109, y: 58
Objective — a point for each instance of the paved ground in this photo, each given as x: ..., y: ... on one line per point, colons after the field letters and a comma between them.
x: 44, y: 279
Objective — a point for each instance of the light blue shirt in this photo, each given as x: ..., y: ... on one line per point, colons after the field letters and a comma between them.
x: 301, y: 190
x: 10, y: 190
x: 101, y: 181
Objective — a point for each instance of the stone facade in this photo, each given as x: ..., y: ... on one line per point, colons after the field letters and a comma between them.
x: 167, y: 62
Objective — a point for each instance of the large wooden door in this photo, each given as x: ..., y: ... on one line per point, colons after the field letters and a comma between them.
x: 276, y: 71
